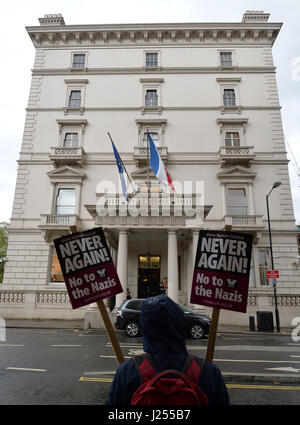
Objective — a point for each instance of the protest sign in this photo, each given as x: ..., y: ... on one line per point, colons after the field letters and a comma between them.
x: 222, y: 268
x: 87, y: 267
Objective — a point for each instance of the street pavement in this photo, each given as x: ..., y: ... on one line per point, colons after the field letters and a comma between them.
x: 57, y: 362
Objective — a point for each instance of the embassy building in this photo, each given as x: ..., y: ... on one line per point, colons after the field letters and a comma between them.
x: 207, y: 95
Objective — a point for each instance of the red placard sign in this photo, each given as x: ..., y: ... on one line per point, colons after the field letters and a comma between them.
x: 222, y: 268
x: 89, y: 272
x: 272, y: 274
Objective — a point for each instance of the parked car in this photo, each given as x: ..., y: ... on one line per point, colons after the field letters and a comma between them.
x: 128, y: 319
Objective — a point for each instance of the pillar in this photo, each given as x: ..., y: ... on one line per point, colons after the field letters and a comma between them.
x: 122, y: 264
x: 172, y: 265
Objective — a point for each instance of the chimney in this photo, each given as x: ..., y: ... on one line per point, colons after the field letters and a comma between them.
x: 255, y: 16
x: 55, y: 19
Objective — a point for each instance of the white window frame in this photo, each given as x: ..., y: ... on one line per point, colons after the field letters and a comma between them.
x: 72, y: 60
x: 236, y: 187
x: 75, y: 85
x: 76, y: 187
x: 268, y: 266
x: 230, y: 84
x: 57, y: 284
x: 71, y: 126
x: 233, y: 58
x: 152, y: 84
x: 58, y: 189
x: 158, y: 59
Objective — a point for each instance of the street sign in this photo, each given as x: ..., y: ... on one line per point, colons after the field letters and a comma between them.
x: 272, y: 274
x: 87, y: 267
x: 222, y: 268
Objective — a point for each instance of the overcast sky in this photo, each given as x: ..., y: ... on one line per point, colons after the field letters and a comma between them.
x: 17, y: 56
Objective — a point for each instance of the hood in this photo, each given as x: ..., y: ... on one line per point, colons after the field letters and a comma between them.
x: 162, y: 326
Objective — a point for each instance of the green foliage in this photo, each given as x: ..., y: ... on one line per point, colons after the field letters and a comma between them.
x: 3, y: 249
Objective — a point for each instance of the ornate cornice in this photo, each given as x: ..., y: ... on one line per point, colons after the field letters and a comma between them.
x: 161, y: 70
x: 141, y: 35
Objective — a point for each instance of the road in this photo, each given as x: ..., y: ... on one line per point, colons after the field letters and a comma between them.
x: 72, y: 366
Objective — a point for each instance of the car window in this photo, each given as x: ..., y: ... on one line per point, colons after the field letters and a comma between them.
x: 135, y: 304
x: 185, y: 309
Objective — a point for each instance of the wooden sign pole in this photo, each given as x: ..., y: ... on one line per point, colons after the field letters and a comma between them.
x: 106, y: 320
x: 212, y: 334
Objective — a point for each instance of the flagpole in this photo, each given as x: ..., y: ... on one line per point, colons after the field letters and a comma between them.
x: 148, y: 164
x: 134, y: 191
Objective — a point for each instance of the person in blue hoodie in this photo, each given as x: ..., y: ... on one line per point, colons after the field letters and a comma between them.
x: 162, y: 329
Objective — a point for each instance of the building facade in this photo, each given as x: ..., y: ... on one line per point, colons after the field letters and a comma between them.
x: 207, y: 94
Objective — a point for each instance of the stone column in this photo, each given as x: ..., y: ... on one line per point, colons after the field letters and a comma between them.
x: 122, y: 265
x: 172, y: 265
x: 195, y: 234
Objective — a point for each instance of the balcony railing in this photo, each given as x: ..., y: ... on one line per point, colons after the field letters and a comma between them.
x: 140, y: 154
x: 67, y: 156
x: 244, y: 221
x: 236, y: 155
x: 59, y: 221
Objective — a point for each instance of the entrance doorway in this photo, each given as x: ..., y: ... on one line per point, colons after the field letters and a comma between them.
x: 148, y: 276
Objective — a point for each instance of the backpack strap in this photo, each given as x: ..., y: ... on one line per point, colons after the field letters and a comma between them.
x: 193, y: 367
x: 144, y: 366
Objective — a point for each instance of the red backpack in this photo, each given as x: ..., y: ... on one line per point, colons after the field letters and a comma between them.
x: 169, y: 387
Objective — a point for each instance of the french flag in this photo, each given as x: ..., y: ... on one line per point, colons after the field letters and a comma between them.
x: 158, y: 166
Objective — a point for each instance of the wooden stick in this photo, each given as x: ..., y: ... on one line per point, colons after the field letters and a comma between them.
x: 110, y: 332
x: 212, y: 335
x: 106, y: 320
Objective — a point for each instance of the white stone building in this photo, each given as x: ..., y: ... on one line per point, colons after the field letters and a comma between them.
x: 208, y: 94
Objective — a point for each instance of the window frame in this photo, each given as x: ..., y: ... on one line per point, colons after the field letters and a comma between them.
x: 60, y: 188
x: 228, y: 206
x: 265, y: 267
x: 74, y: 68
x: 157, y: 52
x: 232, y: 90
x: 50, y: 282
x: 233, y: 58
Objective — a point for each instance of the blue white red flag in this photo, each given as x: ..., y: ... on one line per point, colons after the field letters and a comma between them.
x: 157, y: 165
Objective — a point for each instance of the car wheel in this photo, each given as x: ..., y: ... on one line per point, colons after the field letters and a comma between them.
x: 132, y: 329
x: 197, y: 331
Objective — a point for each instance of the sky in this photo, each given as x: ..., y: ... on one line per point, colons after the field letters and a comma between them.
x: 17, y: 53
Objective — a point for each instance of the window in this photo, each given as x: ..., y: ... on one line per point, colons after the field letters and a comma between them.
x: 75, y: 99
x: 151, y: 60
x: 229, y: 97
x: 232, y: 139
x: 264, y: 265
x: 56, y: 273
x: 226, y: 59
x: 65, y: 201
x: 151, y: 98
x: 71, y: 140
x: 78, y: 61
x: 154, y: 136
x: 236, y: 201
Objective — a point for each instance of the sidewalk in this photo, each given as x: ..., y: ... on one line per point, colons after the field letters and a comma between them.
x: 78, y: 324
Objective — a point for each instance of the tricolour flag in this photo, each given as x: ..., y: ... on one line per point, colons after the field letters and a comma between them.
x: 121, y: 171
x: 157, y: 165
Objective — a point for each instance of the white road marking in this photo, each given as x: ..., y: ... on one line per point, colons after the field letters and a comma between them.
x: 294, y: 356
x: 11, y: 345
x: 101, y: 372
x: 26, y: 368
x: 256, y: 361
x: 114, y: 357
x: 284, y: 369
x: 66, y: 345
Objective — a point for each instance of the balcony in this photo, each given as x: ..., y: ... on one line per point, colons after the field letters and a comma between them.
x: 58, y: 221
x: 67, y: 156
x: 241, y: 155
x: 244, y: 222
x: 140, y: 155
